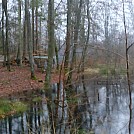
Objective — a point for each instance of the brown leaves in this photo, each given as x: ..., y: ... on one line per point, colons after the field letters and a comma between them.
x: 16, y: 81
x: 19, y: 80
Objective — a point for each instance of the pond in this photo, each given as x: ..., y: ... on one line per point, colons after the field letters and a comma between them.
x: 94, y: 109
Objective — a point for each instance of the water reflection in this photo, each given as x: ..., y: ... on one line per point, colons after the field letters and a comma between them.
x: 110, y: 114
x: 34, y: 120
x: 102, y: 109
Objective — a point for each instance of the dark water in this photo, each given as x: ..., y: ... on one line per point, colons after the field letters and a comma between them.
x: 102, y: 109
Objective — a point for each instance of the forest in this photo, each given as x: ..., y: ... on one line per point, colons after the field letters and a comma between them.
x: 66, y: 66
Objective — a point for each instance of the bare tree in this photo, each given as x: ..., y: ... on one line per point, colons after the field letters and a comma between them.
x: 68, y: 34
x: 36, y: 21
x: 29, y: 42
x: 82, y: 62
x: 19, y: 58
x: 7, y: 35
x: 51, y: 43
x: 25, y: 39
x: 33, y: 6
x: 3, y: 35
x: 75, y: 41
x: 127, y: 67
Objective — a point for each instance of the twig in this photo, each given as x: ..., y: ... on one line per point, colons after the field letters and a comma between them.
x: 130, y: 46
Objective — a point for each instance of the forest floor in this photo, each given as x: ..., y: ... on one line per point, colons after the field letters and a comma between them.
x: 18, y: 80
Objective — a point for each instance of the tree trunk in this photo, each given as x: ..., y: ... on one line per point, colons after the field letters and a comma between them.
x: 36, y: 12
x: 76, y: 30
x: 7, y: 38
x: 19, y: 58
x: 25, y: 33
x: 57, y: 57
x: 33, y: 25
x: 3, y: 35
x: 87, y: 41
x: 51, y: 45
x: 24, y: 40
x: 128, y: 74
x: 68, y: 36
x: 40, y: 26
x: 51, y: 42
x: 29, y: 42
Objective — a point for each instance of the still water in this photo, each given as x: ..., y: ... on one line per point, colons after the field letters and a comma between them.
x: 95, y: 108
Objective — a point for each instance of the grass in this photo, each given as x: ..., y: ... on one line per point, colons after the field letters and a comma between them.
x: 92, y: 71
x: 103, y: 70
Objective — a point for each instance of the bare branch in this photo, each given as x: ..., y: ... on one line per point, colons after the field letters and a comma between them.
x: 130, y: 46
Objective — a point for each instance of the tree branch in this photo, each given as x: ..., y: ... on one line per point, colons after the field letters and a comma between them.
x: 130, y: 46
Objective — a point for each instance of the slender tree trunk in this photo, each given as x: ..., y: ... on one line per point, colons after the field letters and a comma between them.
x: 33, y: 1
x: 106, y: 33
x: 51, y: 45
x: 51, y: 42
x: 19, y: 58
x: 82, y: 39
x: 57, y: 57
x: 25, y: 33
x: 76, y: 30
x: 30, y: 47
x: 7, y: 38
x: 3, y: 35
x: 127, y: 67
x: 36, y: 12
x: 24, y: 40
x: 40, y: 26
x: 87, y: 41
x: 68, y: 38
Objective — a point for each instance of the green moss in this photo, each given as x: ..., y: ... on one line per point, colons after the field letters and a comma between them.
x: 72, y: 100
x: 5, y: 106
x: 37, y: 99
x: 19, y: 107
x: 81, y: 131
x: 91, y: 132
x: 1, y: 112
x: 8, y: 107
x: 34, y: 78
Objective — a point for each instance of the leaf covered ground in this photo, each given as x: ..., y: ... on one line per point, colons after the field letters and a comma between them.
x: 18, y: 80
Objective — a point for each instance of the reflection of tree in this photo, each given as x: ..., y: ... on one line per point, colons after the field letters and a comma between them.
x: 10, y: 124
x: 83, y: 109
x: 128, y: 68
x: 88, y: 106
x: 22, y: 124
x: 29, y: 118
x: 107, y: 99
